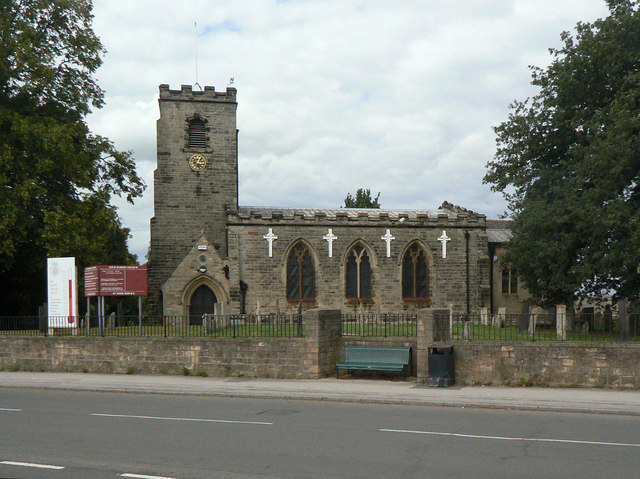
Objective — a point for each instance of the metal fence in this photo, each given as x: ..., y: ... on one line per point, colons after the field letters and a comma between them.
x: 382, y: 325
x: 537, y: 327
x: 448, y: 327
x: 211, y: 326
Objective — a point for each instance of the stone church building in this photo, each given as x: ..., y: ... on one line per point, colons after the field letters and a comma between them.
x: 209, y: 254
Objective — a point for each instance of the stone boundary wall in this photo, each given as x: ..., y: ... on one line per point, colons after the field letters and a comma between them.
x: 548, y: 364
x: 272, y: 357
x: 313, y: 356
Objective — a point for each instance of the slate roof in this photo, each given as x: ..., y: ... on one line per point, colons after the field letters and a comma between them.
x: 350, y: 212
x: 498, y: 231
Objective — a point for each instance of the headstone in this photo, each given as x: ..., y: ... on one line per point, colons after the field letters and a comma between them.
x: 561, y: 322
x: 623, y: 318
x: 531, y: 330
x: 484, y: 316
x: 499, y: 319
x: 465, y: 331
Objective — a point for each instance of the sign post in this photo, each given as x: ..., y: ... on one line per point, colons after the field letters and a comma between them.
x: 62, y: 294
x: 115, y: 280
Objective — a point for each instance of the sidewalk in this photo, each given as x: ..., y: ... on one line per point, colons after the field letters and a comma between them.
x: 600, y: 401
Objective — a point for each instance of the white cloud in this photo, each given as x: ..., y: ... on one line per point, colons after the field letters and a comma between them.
x: 334, y: 94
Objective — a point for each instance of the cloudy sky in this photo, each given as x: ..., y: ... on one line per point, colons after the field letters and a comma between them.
x: 333, y: 95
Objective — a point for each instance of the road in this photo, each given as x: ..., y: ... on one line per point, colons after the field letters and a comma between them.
x: 111, y: 435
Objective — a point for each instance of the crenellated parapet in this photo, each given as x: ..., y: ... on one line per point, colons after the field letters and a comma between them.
x: 247, y: 215
x: 187, y: 93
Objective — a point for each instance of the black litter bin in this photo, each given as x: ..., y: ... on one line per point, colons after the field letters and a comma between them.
x: 441, y: 366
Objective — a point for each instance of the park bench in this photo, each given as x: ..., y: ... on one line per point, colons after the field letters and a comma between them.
x: 375, y: 359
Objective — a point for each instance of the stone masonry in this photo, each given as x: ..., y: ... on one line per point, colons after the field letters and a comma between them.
x: 188, y: 204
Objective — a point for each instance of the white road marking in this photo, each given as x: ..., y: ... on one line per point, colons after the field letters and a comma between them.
x: 29, y: 464
x: 8, y: 409
x: 501, y: 438
x: 142, y: 476
x: 226, y: 421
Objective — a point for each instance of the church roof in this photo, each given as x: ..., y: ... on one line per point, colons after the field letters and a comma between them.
x: 499, y: 231
x: 349, y: 213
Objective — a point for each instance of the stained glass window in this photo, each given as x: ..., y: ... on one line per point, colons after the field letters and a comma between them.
x: 358, y: 273
x: 300, y: 283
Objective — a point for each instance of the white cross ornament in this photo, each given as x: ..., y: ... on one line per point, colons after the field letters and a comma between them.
x: 330, y: 237
x: 270, y: 237
x: 388, y: 239
x: 444, y: 239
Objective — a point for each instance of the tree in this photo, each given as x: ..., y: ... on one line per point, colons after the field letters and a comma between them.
x: 56, y: 177
x: 362, y: 200
x: 568, y: 163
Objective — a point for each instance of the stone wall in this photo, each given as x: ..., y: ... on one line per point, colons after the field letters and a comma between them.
x: 190, y: 203
x: 266, y: 276
x: 548, y: 364
x: 309, y: 357
x: 280, y: 358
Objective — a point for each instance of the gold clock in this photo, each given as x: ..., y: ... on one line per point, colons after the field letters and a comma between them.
x: 197, y: 162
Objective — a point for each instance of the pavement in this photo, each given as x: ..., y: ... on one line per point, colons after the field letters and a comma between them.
x: 371, y: 391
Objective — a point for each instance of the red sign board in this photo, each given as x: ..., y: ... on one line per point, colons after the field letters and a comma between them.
x: 115, y: 281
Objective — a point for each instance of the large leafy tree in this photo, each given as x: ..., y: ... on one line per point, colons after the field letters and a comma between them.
x: 568, y: 162
x: 362, y: 199
x: 56, y: 177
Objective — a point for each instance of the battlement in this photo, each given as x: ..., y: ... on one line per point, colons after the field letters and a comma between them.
x: 187, y: 93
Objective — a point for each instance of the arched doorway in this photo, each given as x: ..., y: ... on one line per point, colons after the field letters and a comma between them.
x: 202, y: 301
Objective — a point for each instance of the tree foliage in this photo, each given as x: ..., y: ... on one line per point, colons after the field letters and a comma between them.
x: 568, y: 162
x: 362, y: 199
x: 56, y: 177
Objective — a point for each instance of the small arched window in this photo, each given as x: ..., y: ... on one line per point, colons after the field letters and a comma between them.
x: 358, y: 273
x: 197, y: 133
x: 300, y: 283
x: 415, y: 274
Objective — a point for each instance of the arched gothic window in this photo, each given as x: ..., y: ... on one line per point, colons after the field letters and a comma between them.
x: 509, y: 281
x: 358, y: 273
x: 197, y: 133
x: 300, y: 283
x: 415, y: 274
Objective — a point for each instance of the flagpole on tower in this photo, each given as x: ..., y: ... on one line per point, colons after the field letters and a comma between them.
x: 195, y: 26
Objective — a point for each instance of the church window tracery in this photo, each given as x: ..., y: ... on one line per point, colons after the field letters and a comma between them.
x: 300, y: 272
x: 415, y: 274
x: 358, y: 274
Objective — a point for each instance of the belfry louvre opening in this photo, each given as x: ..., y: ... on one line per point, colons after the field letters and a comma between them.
x: 197, y: 134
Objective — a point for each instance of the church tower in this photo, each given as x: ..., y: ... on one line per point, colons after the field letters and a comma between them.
x: 195, y: 184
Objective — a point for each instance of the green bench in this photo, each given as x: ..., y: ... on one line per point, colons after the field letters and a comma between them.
x: 375, y: 359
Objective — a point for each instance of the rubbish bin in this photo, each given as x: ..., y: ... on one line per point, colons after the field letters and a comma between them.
x: 441, y: 366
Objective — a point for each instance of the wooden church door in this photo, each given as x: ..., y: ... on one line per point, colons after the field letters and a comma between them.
x: 202, y: 302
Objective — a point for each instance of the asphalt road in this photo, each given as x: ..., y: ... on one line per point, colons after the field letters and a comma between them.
x: 109, y: 435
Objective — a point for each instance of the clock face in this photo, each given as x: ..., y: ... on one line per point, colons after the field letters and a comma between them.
x: 197, y: 162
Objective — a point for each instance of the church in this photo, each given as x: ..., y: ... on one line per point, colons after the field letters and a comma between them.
x: 209, y: 254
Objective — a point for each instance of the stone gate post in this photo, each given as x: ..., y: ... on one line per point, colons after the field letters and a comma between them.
x: 428, y: 333
x: 324, y: 340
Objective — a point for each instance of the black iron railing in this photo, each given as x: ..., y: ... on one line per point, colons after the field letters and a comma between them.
x: 537, y: 327
x: 212, y: 326
x: 382, y: 325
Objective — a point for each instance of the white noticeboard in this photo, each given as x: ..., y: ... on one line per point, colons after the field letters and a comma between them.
x: 62, y: 297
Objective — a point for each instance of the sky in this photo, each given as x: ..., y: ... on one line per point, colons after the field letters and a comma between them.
x: 333, y: 95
